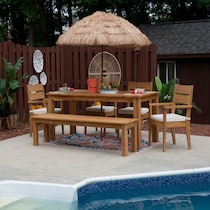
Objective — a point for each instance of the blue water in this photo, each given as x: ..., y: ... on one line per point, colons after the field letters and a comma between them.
x: 177, y: 192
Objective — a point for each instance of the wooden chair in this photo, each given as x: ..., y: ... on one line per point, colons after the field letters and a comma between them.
x: 128, y: 111
x: 101, y: 110
x: 170, y: 117
x: 38, y: 102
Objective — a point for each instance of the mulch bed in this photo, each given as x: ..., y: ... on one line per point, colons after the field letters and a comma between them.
x: 23, y: 128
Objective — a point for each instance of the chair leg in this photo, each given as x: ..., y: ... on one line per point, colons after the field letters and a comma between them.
x: 85, y: 130
x: 150, y: 134
x: 62, y: 127
x: 30, y: 127
x: 188, y: 136
x: 118, y: 132
x: 173, y: 135
x: 164, y: 138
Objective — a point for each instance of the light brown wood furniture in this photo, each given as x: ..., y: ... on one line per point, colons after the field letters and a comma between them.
x: 94, y: 121
x: 101, y: 110
x: 128, y: 111
x: 37, y: 102
x: 182, y: 100
x: 83, y: 95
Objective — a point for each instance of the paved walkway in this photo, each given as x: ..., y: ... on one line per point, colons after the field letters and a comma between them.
x: 20, y: 160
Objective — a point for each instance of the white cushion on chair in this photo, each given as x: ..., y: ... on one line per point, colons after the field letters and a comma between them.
x: 98, y: 108
x: 169, y: 117
x: 43, y: 111
x: 129, y: 110
x: 38, y: 111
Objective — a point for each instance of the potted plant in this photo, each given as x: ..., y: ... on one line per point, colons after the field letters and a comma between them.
x: 166, y: 92
x: 9, y: 85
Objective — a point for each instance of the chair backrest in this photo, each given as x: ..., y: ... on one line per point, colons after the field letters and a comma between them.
x: 144, y: 85
x: 35, y: 93
x: 183, y: 95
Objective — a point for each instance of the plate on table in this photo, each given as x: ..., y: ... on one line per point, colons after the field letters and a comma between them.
x: 109, y: 91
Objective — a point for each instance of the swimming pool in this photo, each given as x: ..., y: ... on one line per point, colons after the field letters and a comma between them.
x: 174, y: 190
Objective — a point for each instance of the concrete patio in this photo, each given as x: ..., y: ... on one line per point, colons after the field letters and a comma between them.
x: 20, y: 160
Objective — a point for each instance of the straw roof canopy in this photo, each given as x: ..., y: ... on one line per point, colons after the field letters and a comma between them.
x: 103, y: 29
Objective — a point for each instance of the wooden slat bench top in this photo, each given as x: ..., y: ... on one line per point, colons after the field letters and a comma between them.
x: 92, y: 121
x: 84, y: 118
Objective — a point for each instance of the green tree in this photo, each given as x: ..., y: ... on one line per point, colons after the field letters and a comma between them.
x: 40, y: 22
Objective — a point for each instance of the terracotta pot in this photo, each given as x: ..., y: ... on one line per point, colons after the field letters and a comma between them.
x: 92, y: 85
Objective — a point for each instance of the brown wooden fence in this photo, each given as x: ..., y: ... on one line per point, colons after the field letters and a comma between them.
x: 70, y: 64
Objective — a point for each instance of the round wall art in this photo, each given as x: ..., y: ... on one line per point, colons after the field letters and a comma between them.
x: 33, y: 80
x: 43, y: 78
x: 38, y: 61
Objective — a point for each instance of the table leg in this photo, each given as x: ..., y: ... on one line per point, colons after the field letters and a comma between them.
x: 72, y: 110
x: 137, y: 114
x: 51, y: 128
x: 155, y: 134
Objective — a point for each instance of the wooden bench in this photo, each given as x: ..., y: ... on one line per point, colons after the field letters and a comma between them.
x: 92, y: 121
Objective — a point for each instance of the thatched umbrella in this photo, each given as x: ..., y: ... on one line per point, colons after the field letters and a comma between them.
x: 103, y: 29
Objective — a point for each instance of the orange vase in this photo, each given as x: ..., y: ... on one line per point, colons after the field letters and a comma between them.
x: 92, y: 85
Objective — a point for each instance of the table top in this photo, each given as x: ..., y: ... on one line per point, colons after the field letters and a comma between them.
x: 85, y: 93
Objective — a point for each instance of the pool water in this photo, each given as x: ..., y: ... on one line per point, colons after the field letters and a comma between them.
x: 27, y: 203
x: 173, y: 192
x: 26, y: 195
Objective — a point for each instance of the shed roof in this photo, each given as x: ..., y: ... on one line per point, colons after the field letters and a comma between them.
x: 191, y: 37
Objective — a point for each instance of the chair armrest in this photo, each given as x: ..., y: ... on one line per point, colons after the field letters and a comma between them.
x: 161, y: 104
x: 178, y: 107
x: 153, y: 106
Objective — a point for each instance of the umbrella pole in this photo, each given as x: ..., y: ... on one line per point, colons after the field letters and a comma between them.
x: 102, y: 64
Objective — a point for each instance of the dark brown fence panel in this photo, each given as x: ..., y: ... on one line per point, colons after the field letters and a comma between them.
x: 70, y: 64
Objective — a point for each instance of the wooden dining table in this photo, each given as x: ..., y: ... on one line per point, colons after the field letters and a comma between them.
x: 120, y: 97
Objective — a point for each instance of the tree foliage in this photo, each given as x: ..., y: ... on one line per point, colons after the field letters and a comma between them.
x: 40, y: 22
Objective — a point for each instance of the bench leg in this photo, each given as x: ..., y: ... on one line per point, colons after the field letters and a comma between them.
x: 138, y: 141
x: 46, y: 132
x: 134, y: 138
x: 35, y: 132
x: 124, y: 141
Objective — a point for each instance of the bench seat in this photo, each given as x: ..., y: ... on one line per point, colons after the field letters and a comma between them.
x: 91, y: 121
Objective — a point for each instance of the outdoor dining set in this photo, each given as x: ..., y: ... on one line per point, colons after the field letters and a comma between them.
x: 134, y: 112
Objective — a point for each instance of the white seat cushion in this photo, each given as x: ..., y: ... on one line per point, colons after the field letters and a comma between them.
x: 43, y: 111
x: 38, y: 111
x: 169, y: 117
x: 98, y: 108
x: 129, y: 110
